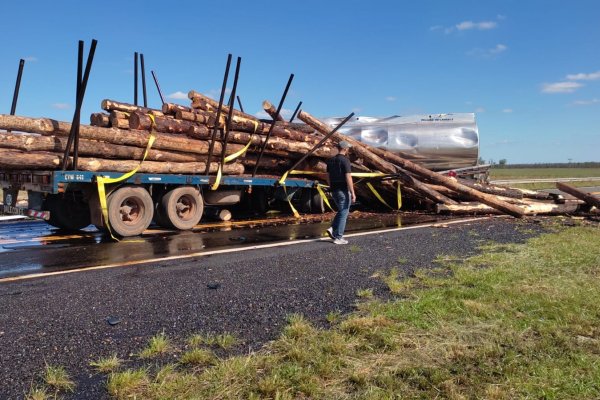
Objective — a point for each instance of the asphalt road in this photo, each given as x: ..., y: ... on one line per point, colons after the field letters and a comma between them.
x: 62, y: 320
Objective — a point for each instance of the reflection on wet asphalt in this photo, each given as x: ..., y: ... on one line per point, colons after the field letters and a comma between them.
x: 32, y: 246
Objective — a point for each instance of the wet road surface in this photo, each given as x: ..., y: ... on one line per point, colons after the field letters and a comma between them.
x: 32, y: 247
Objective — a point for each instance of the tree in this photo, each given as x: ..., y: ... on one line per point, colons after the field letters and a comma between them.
x: 502, y: 162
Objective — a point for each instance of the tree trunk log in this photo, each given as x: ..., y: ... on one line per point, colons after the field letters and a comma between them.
x: 271, y: 110
x: 492, y: 189
x: 46, y: 126
x: 528, y: 209
x: 420, y: 171
x: 207, y: 104
x: 110, y: 105
x: 95, y: 149
x: 100, y: 119
x: 141, y: 121
x: 12, y: 159
x: 172, y: 108
x: 581, y: 195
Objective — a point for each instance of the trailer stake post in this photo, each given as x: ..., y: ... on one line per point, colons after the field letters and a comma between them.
x: 230, y: 114
x: 296, y: 111
x: 264, y: 145
x: 216, y: 127
x: 143, y: 80
x: 135, y: 78
x: 162, y: 99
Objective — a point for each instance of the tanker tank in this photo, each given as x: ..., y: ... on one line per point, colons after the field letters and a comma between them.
x: 436, y: 141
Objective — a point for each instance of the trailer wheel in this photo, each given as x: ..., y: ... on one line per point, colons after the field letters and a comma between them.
x: 67, y: 212
x: 181, y: 208
x: 130, y: 210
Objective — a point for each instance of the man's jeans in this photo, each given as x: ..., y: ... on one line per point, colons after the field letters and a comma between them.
x: 342, y: 200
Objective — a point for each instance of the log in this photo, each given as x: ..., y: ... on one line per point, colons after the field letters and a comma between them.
x: 271, y: 110
x: 579, y: 194
x: 420, y: 171
x: 100, y: 119
x: 528, y: 209
x: 425, y: 190
x: 141, y: 121
x: 207, y: 104
x: 492, y: 189
x: 46, y: 126
x: 119, y: 119
x: 13, y: 159
x: 172, y: 108
x: 111, y: 105
x: 92, y: 148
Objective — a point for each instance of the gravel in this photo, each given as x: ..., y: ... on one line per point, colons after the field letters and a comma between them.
x: 72, y: 319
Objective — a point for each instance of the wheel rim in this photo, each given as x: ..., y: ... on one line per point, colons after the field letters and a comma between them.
x: 185, y: 207
x: 131, y: 210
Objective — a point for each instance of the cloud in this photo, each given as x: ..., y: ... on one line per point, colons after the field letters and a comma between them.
x: 30, y: 59
x: 436, y: 28
x: 507, y: 110
x: 585, y: 102
x: 480, y: 109
x: 178, y: 95
x: 560, y: 87
x: 216, y: 93
x: 488, y: 53
x: 61, y: 106
x: 584, y: 77
x: 468, y: 26
x: 390, y: 98
x: 480, y: 26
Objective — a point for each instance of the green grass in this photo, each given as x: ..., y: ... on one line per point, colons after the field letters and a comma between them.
x: 58, y: 379
x: 517, y: 321
x: 522, y: 173
x: 107, y: 364
x: 157, y: 345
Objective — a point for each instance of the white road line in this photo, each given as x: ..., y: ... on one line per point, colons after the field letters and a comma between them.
x: 234, y: 250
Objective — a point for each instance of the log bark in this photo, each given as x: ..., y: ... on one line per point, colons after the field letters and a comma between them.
x: 425, y: 190
x: 100, y: 119
x: 172, y: 108
x: 420, y: 171
x: 141, y: 121
x: 46, y: 126
x: 93, y: 148
x: 111, y: 105
x: 207, y: 104
x: 271, y: 110
x: 492, y: 189
x: 119, y: 119
x: 528, y: 209
x: 13, y: 159
x: 579, y: 194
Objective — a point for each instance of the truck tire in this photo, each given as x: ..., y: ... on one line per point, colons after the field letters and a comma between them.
x: 67, y: 212
x: 181, y: 208
x: 317, y: 205
x: 130, y: 210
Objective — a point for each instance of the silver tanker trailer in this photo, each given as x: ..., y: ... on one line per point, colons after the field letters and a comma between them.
x: 436, y: 141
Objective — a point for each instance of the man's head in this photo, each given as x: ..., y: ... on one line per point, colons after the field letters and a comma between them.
x: 343, y: 147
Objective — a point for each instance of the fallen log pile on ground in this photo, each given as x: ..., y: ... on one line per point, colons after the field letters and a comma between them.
x: 117, y: 138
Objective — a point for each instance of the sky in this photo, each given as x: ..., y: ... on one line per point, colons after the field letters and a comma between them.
x: 528, y: 69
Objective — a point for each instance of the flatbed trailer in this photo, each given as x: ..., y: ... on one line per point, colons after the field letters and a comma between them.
x: 70, y: 199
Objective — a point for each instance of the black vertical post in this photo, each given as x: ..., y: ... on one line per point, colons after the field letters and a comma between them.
x: 264, y: 144
x: 13, y: 107
x: 143, y: 80
x: 296, y: 111
x: 240, y: 103
x: 230, y: 114
x: 135, y: 78
x: 78, y: 93
x: 79, y: 101
x: 216, y: 127
x: 162, y: 99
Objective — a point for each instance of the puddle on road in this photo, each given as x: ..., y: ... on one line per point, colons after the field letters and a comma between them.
x: 51, y: 251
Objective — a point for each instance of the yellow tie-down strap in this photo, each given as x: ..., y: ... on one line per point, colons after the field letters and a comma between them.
x: 378, y: 196
x: 227, y: 159
x: 233, y: 156
x: 101, y: 180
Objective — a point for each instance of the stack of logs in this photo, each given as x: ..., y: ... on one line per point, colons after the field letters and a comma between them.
x: 116, y: 140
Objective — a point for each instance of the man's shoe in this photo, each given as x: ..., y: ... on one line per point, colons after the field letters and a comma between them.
x: 340, y: 241
x: 330, y: 233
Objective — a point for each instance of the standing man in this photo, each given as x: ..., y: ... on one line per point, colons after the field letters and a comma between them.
x: 342, y: 191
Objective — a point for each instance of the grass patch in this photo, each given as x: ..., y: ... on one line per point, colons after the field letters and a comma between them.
x: 58, y: 379
x: 516, y: 321
x: 107, y: 364
x: 365, y: 293
x: 127, y: 384
x: 541, y: 173
x: 198, y: 358
x: 157, y: 345
x: 38, y: 393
